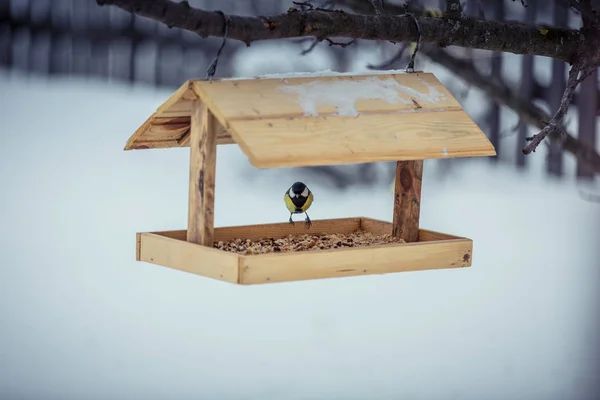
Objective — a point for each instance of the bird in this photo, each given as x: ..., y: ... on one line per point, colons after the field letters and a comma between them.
x: 298, y: 199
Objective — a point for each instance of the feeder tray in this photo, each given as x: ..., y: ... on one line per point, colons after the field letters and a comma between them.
x: 308, y: 121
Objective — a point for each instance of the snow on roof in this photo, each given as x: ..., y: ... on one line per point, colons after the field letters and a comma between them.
x: 322, y: 118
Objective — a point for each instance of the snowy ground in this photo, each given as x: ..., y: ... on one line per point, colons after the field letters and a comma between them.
x: 82, y: 319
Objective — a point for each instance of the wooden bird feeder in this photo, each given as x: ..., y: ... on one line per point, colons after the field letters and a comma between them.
x: 305, y: 121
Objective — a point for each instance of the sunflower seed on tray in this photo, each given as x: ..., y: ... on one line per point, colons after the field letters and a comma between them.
x: 305, y: 242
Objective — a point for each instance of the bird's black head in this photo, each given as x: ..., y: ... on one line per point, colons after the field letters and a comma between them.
x: 298, y: 187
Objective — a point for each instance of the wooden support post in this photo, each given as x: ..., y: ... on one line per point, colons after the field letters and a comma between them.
x: 407, y: 200
x: 203, y: 157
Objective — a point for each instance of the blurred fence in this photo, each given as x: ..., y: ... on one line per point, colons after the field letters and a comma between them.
x: 76, y: 37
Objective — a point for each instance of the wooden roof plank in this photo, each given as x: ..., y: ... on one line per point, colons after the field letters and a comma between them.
x: 324, y: 140
x: 233, y: 100
x: 158, y: 133
x: 179, y: 104
x: 321, y: 120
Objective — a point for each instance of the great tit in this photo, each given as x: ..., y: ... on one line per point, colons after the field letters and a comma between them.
x: 298, y: 199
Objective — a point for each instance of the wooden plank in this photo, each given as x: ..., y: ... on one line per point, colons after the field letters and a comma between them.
x: 375, y: 226
x: 407, y: 200
x: 160, y: 133
x: 138, y: 246
x: 291, y: 97
x: 323, y: 226
x: 203, y: 154
x: 379, y: 227
x: 280, y: 230
x: 223, y: 137
x: 269, y: 268
x: 170, y: 249
x: 310, y: 141
x: 188, y: 257
x: 276, y: 230
x: 179, y: 104
x: 169, y: 125
x: 426, y: 235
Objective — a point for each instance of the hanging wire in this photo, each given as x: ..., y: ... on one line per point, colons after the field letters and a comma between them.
x: 411, y: 64
x: 212, y: 68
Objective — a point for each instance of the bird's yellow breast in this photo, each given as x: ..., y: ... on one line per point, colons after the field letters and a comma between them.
x: 309, y: 201
x: 288, y: 203
x: 292, y: 207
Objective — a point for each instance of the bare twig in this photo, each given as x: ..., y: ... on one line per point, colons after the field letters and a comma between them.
x: 522, y: 3
x: 316, y: 41
x: 342, y: 45
x: 453, y: 8
x: 310, y: 48
x: 576, y: 75
x: 304, y: 5
x: 378, y: 6
x: 308, y: 6
x: 585, y: 9
x: 392, y: 60
x: 527, y: 111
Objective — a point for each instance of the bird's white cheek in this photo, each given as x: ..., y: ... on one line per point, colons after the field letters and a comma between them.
x: 305, y: 192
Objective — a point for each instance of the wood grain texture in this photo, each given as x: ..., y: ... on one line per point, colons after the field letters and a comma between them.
x: 252, y: 99
x: 325, y: 226
x: 203, y: 155
x: 188, y: 257
x: 167, y: 132
x: 269, y: 268
x: 138, y: 244
x: 179, y: 104
x: 407, y: 200
x: 310, y: 141
x: 434, y: 250
x: 276, y: 230
x: 397, y: 117
x: 379, y: 227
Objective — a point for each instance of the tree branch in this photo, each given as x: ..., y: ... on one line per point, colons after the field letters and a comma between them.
x: 562, y: 44
x: 453, y: 9
x: 585, y: 9
x: 588, y: 53
x: 577, y: 74
x: 527, y: 111
x: 378, y: 6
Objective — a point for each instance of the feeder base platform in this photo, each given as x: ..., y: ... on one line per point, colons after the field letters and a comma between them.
x: 433, y: 250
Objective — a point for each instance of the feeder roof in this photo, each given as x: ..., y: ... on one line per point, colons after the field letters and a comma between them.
x: 311, y: 120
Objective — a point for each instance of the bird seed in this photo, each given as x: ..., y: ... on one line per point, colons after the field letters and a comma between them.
x: 306, y: 242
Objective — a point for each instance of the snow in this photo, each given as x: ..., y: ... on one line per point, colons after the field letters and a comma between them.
x: 82, y: 319
x: 329, y: 72
x: 343, y: 95
x: 317, y: 74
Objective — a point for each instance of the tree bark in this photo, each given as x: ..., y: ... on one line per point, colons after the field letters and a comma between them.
x: 562, y: 44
